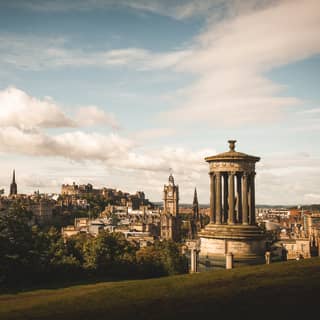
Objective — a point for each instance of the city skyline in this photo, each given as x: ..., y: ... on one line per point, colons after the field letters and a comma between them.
x: 115, y: 93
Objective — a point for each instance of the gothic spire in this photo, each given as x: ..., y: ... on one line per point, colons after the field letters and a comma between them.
x: 13, y: 185
x: 195, y: 197
x: 195, y: 205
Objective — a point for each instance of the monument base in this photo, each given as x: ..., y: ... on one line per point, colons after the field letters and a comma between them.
x: 247, y: 243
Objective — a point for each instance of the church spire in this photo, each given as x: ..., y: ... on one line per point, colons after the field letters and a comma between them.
x: 13, y: 185
x: 195, y: 205
x: 195, y: 197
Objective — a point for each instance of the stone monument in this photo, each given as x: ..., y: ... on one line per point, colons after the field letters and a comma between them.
x: 232, y: 227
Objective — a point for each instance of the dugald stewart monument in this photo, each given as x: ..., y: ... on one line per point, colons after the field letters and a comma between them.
x: 232, y: 229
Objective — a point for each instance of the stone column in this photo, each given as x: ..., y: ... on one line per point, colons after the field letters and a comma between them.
x: 239, y: 199
x: 231, y: 217
x: 218, y: 198
x: 225, y: 198
x: 249, y: 199
x: 253, y: 202
x: 212, y: 199
x: 244, y: 198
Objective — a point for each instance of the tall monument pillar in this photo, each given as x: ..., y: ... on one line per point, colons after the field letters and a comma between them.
x: 232, y: 227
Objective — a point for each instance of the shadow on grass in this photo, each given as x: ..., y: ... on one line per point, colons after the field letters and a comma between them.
x: 60, y: 284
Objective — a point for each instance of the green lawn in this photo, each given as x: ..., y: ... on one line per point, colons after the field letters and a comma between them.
x: 283, y: 290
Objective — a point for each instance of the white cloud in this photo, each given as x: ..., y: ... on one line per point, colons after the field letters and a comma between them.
x: 20, y: 110
x: 153, y: 133
x: 31, y: 52
x: 302, y: 161
x: 231, y: 59
x: 281, y: 178
x: 133, y: 167
x: 111, y: 149
x: 245, y: 40
x: 311, y: 112
x: 38, y: 53
x: 287, y: 179
x: 181, y: 160
x: 92, y: 115
x: 76, y: 145
x: 313, y: 198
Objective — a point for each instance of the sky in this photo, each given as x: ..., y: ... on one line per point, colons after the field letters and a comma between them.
x: 117, y: 93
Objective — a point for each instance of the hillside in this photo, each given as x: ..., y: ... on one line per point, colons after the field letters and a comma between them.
x: 286, y: 289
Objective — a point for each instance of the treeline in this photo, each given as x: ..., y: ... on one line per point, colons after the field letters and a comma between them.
x: 31, y: 256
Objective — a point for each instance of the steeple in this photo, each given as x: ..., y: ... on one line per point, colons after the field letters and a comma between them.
x: 195, y: 205
x: 13, y: 186
x: 195, y: 197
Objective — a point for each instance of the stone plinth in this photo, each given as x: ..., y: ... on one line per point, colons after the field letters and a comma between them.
x: 245, y: 242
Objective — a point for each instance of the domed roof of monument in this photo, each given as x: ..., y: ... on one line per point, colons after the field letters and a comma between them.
x: 232, y: 155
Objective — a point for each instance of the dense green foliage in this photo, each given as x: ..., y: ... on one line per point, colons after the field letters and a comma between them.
x: 283, y: 290
x: 31, y: 256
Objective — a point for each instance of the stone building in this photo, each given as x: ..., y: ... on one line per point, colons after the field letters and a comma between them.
x: 75, y: 189
x: 232, y: 227
x: 294, y: 248
x: 311, y: 225
x: 70, y: 194
x: 170, y: 221
x: 41, y: 206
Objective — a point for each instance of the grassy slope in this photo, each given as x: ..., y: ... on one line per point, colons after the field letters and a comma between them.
x: 289, y: 289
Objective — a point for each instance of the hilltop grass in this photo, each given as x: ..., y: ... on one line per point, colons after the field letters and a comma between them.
x: 284, y: 289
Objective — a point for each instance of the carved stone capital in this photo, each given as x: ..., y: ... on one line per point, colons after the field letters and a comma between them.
x: 245, y: 175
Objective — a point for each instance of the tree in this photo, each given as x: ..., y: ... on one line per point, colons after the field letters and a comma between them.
x: 162, y: 258
x: 16, y: 242
x: 108, y: 253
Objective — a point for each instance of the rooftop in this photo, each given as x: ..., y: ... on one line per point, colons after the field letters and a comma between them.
x: 232, y: 155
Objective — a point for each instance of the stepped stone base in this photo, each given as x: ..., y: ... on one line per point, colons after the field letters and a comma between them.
x: 247, y: 243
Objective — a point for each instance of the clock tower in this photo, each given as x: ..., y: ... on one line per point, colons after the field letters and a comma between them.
x: 171, y: 198
x: 170, y: 220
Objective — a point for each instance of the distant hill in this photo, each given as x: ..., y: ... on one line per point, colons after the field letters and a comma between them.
x: 282, y: 290
x: 305, y: 206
